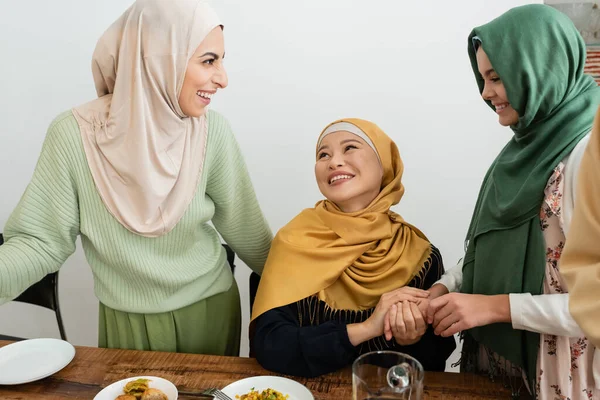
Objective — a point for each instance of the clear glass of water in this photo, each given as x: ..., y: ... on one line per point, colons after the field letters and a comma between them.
x: 383, y: 375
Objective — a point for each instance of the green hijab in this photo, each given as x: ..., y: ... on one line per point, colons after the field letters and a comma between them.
x: 539, y: 55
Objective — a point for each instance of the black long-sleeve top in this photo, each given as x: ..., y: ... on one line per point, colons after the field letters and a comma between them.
x: 309, y: 339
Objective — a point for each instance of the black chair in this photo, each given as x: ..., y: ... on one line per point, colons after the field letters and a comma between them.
x: 254, y: 281
x: 44, y: 294
x: 254, y: 277
x: 230, y: 257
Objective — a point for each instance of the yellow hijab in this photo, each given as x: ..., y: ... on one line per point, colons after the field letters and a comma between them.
x: 347, y: 259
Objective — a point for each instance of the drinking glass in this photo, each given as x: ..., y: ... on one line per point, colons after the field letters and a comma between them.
x: 389, y: 375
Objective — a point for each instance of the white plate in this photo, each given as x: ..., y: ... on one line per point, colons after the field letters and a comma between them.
x: 116, y: 389
x: 33, y: 359
x: 285, y: 386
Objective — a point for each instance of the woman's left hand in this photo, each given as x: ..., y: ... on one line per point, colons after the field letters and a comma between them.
x: 456, y: 312
x: 407, y: 323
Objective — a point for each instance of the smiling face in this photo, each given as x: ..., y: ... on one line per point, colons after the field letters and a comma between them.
x: 348, y: 171
x: 494, y: 91
x: 205, y: 74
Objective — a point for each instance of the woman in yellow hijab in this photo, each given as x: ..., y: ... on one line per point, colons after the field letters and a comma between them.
x: 336, y: 270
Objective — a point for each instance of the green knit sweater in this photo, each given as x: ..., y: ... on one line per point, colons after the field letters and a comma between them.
x: 133, y: 273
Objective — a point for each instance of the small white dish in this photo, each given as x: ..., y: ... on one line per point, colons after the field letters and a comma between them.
x: 114, y: 390
x: 295, y: 390
x: 33, y: 359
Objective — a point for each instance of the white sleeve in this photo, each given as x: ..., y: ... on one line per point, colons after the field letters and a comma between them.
x: 453, y: 277
x: 549, y: 314
x: 544, y: 313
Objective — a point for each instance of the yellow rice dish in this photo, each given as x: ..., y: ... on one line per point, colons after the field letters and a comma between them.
x: 267, y: 394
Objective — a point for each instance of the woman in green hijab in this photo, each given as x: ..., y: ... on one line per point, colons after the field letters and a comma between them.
x: 513, y: 304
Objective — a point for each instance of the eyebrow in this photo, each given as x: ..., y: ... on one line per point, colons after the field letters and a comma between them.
x: 211, y: 54
x: 342, y: 142
x: 349, y: 140
x: 322, y: 147
x: 488, y: 72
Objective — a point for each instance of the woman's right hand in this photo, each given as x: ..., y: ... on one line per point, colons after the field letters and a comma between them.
x: 374, y: 325
x: 407, y: 323
x: 377, y: 323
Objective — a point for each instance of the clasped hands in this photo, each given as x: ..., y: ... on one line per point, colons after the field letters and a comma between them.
x: 405, y: 313
x: 400, y: 314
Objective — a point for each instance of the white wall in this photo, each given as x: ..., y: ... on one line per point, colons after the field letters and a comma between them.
x: 293, y: 68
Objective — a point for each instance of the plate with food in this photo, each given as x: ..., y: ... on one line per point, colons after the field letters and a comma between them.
x: 30, y: 360
x: 267, y: 388
x: 139, y: 388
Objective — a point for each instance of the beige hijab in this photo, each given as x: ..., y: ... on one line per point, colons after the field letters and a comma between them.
x: 145, y: 155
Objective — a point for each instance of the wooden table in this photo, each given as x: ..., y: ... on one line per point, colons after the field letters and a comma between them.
x: 94, y: 368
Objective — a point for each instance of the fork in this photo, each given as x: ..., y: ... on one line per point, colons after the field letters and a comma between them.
x: 218, y: 394
x: 208, y: 393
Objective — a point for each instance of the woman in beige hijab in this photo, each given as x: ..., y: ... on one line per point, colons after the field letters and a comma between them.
x: 139, y: 173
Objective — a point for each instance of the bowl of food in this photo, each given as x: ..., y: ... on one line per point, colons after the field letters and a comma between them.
x: 139, y: 388
x: 267, y: 388
x: 266, y: 394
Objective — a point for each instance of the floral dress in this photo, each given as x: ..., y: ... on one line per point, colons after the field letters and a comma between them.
x: 564, y: 364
